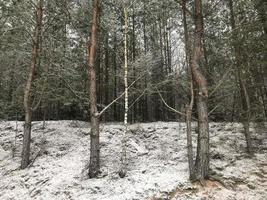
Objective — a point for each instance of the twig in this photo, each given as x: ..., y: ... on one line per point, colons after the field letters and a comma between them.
x: 72, y: 90
x: 121, y: 95
x: 220, y: 83
x: 137, y: 98
x: 210, y: 112
x: 171, y: 108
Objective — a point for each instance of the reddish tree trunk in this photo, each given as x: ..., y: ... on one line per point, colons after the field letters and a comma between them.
x: 190, y: 154
x: 94, y: 165
x: 28, y: 89
x: 202, y: 159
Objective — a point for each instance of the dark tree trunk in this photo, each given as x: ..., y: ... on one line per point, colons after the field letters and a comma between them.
x: 11, y: 88
x: 134, y: 110
x: 264, y: 88
x: 169, y: 52
x: 190, y: 154
x: 261, y: 6
x: 146, y: 103
x: 94, y: 165
x: 202, y: 159
x: 107, y: 88
x: 189, y: 108
x: 115, y: 116
x: 233, y: 108
x: 242, y: 85
x: 25, y: 156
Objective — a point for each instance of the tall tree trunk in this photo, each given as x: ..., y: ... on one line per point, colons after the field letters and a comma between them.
x: 261, y: 7
x: 202, y: 159
x: 169, y: 48
x: 122, y: 172
x: 25, y: 156
x: 163, y: 21
x: 94, y: 165
x: 107, y: 88
x: 190, y: 153
x: 242, y: 86
x: 263, y: 71
x: 146, y: 104
x: 189, y: 107
x: 115, y: 116
x: 233, y: 107
x: 134, y: 110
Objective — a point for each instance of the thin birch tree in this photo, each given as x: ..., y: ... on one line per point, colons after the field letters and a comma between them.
x: 122, y: 171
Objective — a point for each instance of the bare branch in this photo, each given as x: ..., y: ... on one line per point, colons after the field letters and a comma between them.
x: 220, y: 82
x: 72, y: 90
x: 171, y: 108
x: 121, y: 95
x: 210, y: 112
x: 138, y: 98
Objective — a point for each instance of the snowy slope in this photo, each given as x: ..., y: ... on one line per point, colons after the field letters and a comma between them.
x: 157, y: 164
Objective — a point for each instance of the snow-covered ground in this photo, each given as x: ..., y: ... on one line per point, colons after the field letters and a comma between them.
x: 157, y: 163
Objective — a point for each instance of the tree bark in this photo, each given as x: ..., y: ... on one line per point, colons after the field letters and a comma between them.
x: 202, y: 159
x: 122, y: 171
x: 107, y: 88
x: 94, y: 165
x: 242, y: 86
x: 261, y: 7
x: 25, y: 156
x: 190, y: 154
x: 115, y: 115
x: 264, y: 88
x: 133, y: 60
x: 147, y: 110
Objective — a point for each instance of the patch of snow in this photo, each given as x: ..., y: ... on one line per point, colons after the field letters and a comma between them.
x: 156, y: 156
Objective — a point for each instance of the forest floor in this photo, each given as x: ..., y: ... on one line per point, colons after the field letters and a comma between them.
x: 156, y: 156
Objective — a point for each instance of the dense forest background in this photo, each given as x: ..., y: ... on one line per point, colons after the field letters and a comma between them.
x: 156, y: 52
